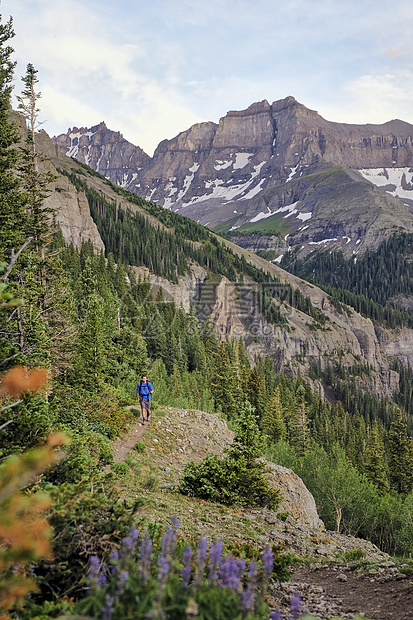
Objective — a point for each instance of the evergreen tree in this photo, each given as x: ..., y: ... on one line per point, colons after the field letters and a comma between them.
x: 223, y: 382
x: 375, y: 463
x: 299, y: 430
x: 400, y: 452
x: 34, y: 182
x: 272, y: 423
x: 93, y: 347
x: 256, y: 391
x: 12, y: 212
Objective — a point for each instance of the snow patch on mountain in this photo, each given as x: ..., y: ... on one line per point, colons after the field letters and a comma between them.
x: 74, y: 142
x: 322, y: 241
x: 304, y: 216
x: 398, y: 180
x: 242, y: 159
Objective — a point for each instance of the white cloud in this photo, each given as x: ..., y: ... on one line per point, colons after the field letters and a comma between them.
x: 152, y: 69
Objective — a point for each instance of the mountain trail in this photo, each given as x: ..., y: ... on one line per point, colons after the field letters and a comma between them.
x: 122, y: 445
x: 338, y: 591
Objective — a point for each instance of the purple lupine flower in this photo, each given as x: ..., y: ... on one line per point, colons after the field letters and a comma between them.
x: 295, y: 606
x: 215, y: 555
x: 93, y: 573
x: 144, y: 567
x: 163, y: 569
x: 276, y: 615
x: 128, y: 545
x: 167, y: 541
x: 102, y: 581
x: 108, y: 608
x: 187, y: 568
x: 267, y: 562
x: 230, y: 573
x: 248, y: 601
x: 124, y: 576
x: 113, y: 561
x: 201, y: 554
x: 175, y: 523
x: 249, y: 594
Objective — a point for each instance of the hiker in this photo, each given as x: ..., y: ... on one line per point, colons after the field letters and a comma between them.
x: 144, y: 391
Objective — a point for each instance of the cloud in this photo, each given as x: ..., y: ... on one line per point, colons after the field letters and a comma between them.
x: 373, y: 99
x: 152, y: 69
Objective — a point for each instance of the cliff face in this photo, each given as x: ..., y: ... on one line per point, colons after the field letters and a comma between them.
x: 105, y: 151
x: 279, y: 170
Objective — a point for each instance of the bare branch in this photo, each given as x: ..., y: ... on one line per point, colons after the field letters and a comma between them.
x: 6, y: 424
x: 14, y: 257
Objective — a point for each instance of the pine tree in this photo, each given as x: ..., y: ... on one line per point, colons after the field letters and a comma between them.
x: 400, y: 452
x: 272, y: 423
x: 375, y: 463
x: 93, y: 347
x: 256, y: 391
x: 223, y: 382
x: 299, y: 434
x: 12, y: 212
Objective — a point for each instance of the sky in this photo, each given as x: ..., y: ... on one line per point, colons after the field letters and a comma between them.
x: 152, y: 68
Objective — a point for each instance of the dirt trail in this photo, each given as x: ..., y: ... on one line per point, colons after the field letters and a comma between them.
x: 125, y: 443
x: 376, y: 597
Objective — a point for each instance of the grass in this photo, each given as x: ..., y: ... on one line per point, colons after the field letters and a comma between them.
x: 274, y: 225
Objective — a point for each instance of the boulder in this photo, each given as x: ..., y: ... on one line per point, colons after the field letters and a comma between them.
x: 297, y: 499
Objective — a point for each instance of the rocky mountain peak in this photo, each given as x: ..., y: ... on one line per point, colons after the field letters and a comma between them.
x: 280, y: 169
x: 104, y: 150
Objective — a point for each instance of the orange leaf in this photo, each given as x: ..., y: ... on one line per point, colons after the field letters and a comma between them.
x: 20, y: 379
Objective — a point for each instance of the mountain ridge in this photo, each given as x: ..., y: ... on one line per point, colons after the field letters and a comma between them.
x: 257, y: 166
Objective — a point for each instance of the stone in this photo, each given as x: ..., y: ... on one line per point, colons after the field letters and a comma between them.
x: 297, y: 499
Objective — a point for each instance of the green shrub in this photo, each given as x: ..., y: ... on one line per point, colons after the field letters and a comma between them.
x: 120, y: 468
x: 140, y: 447
x: 238, y: 478
x: 354, y: 555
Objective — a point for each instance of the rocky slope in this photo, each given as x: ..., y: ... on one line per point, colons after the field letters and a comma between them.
x: 281, y: 170
x: 105, y: 151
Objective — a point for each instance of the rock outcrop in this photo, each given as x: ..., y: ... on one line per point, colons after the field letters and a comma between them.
x: 297, y: 499
x: 105, y: 151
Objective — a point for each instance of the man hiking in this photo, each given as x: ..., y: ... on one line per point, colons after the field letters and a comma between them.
x: 143, y: 392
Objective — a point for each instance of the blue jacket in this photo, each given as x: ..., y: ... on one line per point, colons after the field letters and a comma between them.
x: 144, y: 390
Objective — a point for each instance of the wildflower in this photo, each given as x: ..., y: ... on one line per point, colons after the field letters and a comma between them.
x: 215, y: 554
x: 145, y: 560
x: 113, y: 561
x: 93, y: 573
x: 175, y: 523
x: 128, y: 545
x: 295, y: 606
x: 230, y: 573
x: 102, y: 581
x: 267, y: 562
x: 163, y: 569
x: 108, y: 608
x: 121, y: 582
x: 201, y: 554
x: 187, y: 568
x: 276, y: 615
x: 249, y: 594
